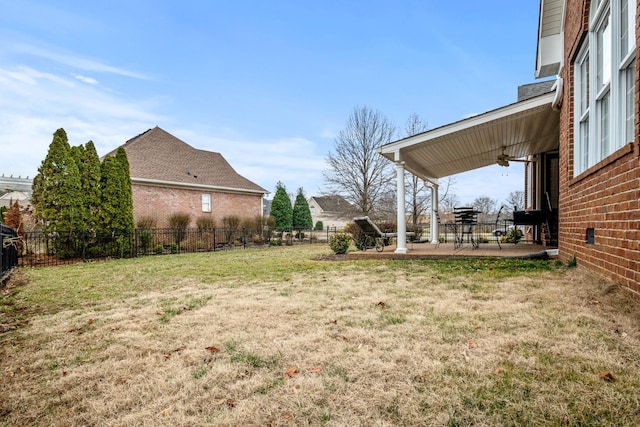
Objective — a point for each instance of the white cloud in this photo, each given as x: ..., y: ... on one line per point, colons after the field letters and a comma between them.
x: 84, y: 79
x: 34, y: 104
x: 73, y: 60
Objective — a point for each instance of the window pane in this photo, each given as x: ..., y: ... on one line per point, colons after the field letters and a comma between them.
x: 624, y: 28
x: 630, y: 77
x: 603, y: 54
x: 206, y: 203
x: 584, y: 85
x: 605, y: 128
x: 584, y: 145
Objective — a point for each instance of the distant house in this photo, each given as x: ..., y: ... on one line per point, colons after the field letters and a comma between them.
x: 169, y: 176
x: 19, y: 184
x: 333, y: 211
x: 14, y: 196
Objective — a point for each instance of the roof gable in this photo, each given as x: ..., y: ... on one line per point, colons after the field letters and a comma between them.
x: 333, y: 203
x: 156, y: 155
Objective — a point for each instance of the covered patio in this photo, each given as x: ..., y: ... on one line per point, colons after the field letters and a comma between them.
x: 447, y: 250
x: 523, y: 131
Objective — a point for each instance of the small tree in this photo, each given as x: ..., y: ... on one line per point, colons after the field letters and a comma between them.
x: 301, y: 212
x: 13, y: 216
x: 281, y: 208
x: 89, y: 168
x: 57, y: 196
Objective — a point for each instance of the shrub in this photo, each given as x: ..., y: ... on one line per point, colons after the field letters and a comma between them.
x: 145, y: 241
x: 147, y: 223
x: 513, y: 235
x: 159, y: 249
x: 319, y: 226
x: 205, y: 223
x: 179, y: 221
x: 231, y: 225
x: 339, y: 243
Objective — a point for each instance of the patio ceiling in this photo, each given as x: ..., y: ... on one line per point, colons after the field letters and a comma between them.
x: 522, y: 129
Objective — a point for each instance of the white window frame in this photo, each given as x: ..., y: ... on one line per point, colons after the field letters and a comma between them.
x: 206, y: 202
x: 604, y: 115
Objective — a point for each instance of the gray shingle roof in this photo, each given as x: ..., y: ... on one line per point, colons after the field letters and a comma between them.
x: 158, y: 155
x: 334, y: 203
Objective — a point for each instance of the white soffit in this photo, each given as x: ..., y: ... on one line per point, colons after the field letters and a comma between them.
x: 550, y: 34
x: 525, y: 128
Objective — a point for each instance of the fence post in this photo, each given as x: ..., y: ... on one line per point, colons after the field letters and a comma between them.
x: 84, y: 246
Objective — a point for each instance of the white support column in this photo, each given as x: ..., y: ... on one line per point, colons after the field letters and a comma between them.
x: 401, y: 247
x: 435, y: 229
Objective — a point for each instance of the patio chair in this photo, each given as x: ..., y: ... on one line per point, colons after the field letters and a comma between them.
x: 372, y: 236
x: 466, y: 218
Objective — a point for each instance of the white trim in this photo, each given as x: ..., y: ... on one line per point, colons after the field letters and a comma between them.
x: 172, y: 184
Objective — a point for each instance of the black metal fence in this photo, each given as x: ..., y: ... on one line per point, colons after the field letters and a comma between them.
x: 42, y: 248
x: 47, y: 248
x: 9, y: 250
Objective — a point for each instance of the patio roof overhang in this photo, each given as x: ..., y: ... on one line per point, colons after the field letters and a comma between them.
x: 518, y: 130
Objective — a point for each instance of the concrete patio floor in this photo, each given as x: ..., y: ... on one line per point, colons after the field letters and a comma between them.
x: 446, y: 250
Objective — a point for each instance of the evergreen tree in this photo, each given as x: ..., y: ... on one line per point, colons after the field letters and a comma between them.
x: 301, y: 211
x: 56, y: 197
x: 281, y: 208
x: 117, y: 202
x: 109, y: 188
x: 90, y: 175
x: 126, y: 195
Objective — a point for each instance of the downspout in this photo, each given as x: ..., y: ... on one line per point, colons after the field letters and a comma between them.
x: 556, y: 104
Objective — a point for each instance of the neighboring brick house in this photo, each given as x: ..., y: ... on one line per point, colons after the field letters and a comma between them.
x: 334, y: 211
x: 581, y: 140
x: 592, y: 47
x: 169, y: 176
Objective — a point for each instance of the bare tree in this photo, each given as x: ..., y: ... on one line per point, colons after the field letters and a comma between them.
x: 356, y: 170
x: 486, y: 205
x: 514, y: 201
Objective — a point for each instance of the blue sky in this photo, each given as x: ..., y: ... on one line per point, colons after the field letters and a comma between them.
x: 268, y: 84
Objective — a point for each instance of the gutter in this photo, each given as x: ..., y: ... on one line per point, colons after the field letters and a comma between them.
x: 172, y: 184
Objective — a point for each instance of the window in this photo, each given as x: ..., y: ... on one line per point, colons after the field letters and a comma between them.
x: 605, y: 86
x: 206, y: 203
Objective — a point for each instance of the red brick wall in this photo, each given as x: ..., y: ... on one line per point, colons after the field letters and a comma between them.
x: 606, y: 196
x: 161, y: 202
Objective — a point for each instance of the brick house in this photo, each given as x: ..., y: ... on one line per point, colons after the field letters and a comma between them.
x: 580, y: 140
x: 169, y: 176
x: 591, y: 46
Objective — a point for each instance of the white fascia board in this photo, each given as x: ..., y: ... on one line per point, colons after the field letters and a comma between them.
x: 549, y: 54
x: 171, y: 184
x: 480, y: 119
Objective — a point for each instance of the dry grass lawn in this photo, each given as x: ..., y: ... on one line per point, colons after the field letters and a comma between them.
x: 273, y: 337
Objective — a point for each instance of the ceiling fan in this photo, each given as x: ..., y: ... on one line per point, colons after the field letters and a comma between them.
x: 503, y: 159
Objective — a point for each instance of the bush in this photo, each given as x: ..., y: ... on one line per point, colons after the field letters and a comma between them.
x: 339, y: 243
x: 147, y: 223
x: 179, y: 221
x: 159, y: 249
x: 513, y: 235
x: 145, y: 241
x: 205, y: 223
x: 319, y: 226
x: 231, y: 225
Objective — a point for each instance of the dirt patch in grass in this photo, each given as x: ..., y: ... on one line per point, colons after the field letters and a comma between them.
x: 367, y: 343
